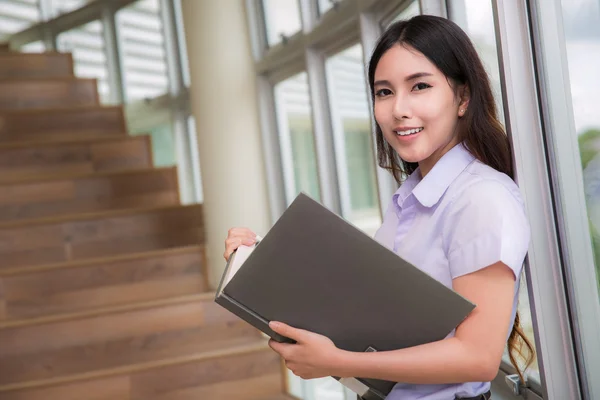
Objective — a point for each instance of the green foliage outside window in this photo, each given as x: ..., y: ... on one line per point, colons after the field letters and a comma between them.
x: 589, y: 147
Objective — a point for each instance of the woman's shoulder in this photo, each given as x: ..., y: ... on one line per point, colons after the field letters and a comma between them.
x: 480, y: 183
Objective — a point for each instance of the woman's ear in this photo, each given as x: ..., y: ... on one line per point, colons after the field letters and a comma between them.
x: 465, y: 97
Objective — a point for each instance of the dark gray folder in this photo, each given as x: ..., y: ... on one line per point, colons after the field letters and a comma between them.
x: 315, y: 271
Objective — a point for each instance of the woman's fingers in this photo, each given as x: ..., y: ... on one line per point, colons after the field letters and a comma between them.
x: 237, y: 237
x: 240, y: 232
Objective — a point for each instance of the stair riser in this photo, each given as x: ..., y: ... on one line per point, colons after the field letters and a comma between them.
x: 88, y: 194
x: 253, y: 376
x: 58, y: 123
x: 103, y: 236
x: 44, y: 65
x: 100, y: 156
x: 83, y: 345
x: 106, y: 284
x: 19, y: 95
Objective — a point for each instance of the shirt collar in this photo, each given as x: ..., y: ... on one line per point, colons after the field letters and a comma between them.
x: 429, y: 190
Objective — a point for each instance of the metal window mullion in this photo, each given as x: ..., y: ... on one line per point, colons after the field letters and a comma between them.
x: 114, y: 62
x: 323, y: 132
x: 181, y: 45
x: 89, y: 12
x: 339, y: 145
x: 195, y: 156
x: 543, y: 270
x: 184, y: 160
x: 271, y: 148
x: 370, y: 30
x: 171, y: 47
x: 434, y: 7
x: 284, y: 139
x: 573, y: 222
x: 48, y: 34
x: 187, y: 154
x: 457, y: 12
x: 308, y: 14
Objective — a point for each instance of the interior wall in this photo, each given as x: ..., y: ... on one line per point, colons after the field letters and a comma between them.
x: 224, y: 104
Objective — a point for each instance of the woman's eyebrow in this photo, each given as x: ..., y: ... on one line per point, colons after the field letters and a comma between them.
x: 417, y: 75
x: 382, y: 83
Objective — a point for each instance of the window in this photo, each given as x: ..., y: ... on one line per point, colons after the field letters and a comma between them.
x: 59, y: 7
x: 353, y: 138
x: 477, y: 20
x: 33, y: 47
x: 282, y: 19
x: 89, y: 57
x: 413, y: 9
x: 296, y: 137
x: 325, y: 5
x: 143, y: 50
x: 582, y: 37
x: 16, y: 16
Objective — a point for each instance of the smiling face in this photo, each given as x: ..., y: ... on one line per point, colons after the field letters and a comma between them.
x: 415, y: 106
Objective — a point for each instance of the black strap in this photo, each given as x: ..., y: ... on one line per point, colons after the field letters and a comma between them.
x: 485, y: 396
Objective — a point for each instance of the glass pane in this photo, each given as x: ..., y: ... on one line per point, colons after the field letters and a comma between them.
x: 296, y: 137
x: 89, y: 56
x: 352, y: 132
x: 282, y: 17
x: 16, y: 16
x: 194, y: 155
x: 476, y: 18
x: 413, y: 9
x: 582, y: 35
x: 324, y: 6
x: 142, y: 40
x: 163, y: 147
x: 33, y: 47
x: 59, y: 7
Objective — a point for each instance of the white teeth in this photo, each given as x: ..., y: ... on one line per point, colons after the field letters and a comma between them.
x: 409, y: 132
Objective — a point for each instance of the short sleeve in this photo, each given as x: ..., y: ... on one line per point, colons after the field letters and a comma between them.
x: 486, y: 223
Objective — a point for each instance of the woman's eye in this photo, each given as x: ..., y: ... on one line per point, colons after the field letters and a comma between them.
x: 420, y: 86
x: 383, y: 92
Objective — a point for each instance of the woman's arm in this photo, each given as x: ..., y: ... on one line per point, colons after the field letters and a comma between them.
x: 473, y: 355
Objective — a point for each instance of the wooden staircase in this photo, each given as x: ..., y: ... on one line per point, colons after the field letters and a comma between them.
x: 103, y: 288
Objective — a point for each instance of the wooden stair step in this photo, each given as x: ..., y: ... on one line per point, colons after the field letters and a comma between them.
x: 76, y: 122
x: 35, y: 65
x: 89, y: 192
x: 52, y: 347
x: 243, y: 372
x: 83, y: 286
x: 39, y: 160
x: 94, y: 235
x: 18, y: 94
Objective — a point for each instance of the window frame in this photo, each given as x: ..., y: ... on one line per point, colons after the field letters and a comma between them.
x: 567, y: 183
x: 364, y: 18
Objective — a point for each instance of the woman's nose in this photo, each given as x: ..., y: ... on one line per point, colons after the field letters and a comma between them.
x: 402, y: 109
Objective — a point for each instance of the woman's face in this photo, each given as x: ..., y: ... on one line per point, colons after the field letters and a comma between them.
x: 415, y: 106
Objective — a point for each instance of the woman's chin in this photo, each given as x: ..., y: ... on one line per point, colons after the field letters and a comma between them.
x: 410, y: 157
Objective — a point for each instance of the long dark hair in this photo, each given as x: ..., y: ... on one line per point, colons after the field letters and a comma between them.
x: 451, y: 51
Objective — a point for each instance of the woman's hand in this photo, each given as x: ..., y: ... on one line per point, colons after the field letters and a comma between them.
x: 237, y: 237
x: 313, y: 356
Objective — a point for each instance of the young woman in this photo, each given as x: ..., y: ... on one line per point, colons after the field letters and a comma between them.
x: 458, y: 215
